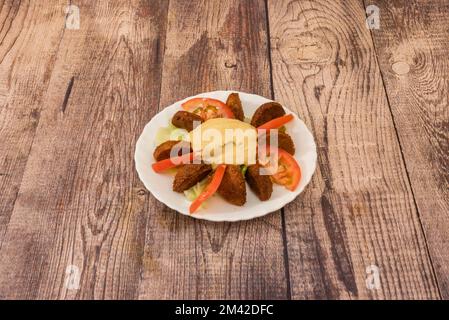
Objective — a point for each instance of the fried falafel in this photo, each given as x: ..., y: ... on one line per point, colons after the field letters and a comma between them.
x: 261, y: 185
x: 235, y: 104
x: 285, y: 142
x: 190, y: 174
x: 233, y: 187
x: 185, y: 120
x: 163, y: 150
x: 266, y: 112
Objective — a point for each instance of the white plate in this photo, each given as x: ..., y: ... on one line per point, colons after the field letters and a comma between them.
x: 217, y: 209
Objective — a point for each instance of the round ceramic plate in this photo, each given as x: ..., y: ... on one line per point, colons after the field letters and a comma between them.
x: 217, y: 209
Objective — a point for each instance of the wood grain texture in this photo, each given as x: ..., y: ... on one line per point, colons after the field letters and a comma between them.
x: 213, y: 45
x: 359, y: 209
x: 73, y: 103
x: 80, y: 202
x: 25, y: 68
x: 412, y: 45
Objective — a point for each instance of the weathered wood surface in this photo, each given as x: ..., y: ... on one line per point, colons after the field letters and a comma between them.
x: 30, y: 33
x: 80, y: 203
x: 413, y: 50
x: 359, y: 209
x: 73, y: 102
x: 224, y: 49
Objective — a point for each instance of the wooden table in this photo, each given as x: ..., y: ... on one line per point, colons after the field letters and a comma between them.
x: 76, y: 222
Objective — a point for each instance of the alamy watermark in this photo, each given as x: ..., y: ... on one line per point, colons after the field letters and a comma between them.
x: 72, y: 17
x: 373, y: 279
x: 73, y: 276
x: 372, y: 21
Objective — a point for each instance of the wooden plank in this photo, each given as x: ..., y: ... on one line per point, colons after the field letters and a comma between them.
x: 81, y: 208
x: 213, y: 45
x: 25, y: 68
x: 412, y: 48
x: 358, y: 210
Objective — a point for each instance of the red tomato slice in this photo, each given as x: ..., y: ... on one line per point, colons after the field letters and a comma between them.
x: 210, y: 189
x: 277, y: 122
x: 288, y: 172
x: 208, y: 108
x: 169, y: 163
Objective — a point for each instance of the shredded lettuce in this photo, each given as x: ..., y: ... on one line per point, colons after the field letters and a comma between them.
x: 170, y: 133
x: 193, y: 193
x: 243, y: 168
x: 179, y: 134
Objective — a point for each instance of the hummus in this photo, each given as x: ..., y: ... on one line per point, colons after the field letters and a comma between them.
x: 225, y: 141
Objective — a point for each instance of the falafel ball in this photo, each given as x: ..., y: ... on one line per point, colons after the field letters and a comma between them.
x: 183, y: 119
x: 285, y: 142
x: 235, y: 104
x: 163, y: 150
x: 261, y: 185
x: 190, y: 174
x: 233, y: 187
x: 267, y: 112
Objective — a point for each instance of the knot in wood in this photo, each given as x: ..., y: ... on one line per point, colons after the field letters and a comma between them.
x: 230, y: 65
x: 400, y: 67
x: 141, y: 192
x: 305, y: 48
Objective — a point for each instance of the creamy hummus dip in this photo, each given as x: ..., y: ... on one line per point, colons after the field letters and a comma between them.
x: 225, y: 141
